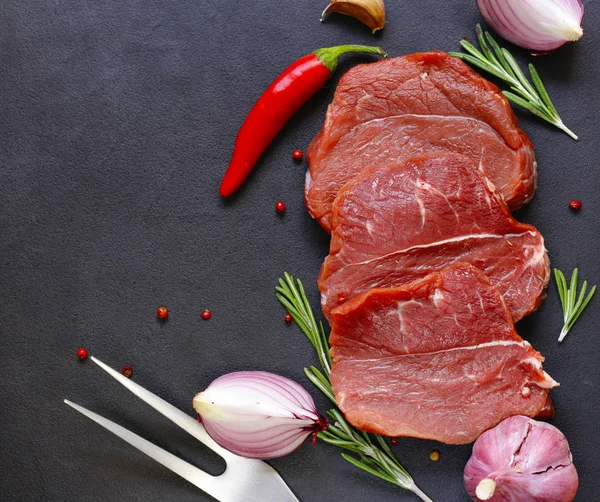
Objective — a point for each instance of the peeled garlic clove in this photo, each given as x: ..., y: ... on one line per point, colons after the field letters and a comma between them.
x: 521, y: 460
x: 369, y: 12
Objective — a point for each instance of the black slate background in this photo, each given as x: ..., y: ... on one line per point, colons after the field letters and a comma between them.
x: 117, y: 119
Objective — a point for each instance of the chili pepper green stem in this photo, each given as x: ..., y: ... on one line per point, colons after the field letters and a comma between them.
x: 329, y: 56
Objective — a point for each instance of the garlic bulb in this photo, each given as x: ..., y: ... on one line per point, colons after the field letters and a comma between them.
x: 369, y: 12
x: 521, y: 460
x: 538, y: 25
x: 256, y: 414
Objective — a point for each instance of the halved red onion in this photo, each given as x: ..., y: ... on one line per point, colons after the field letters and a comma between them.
x: 537, y: 25
x: 256, y: 414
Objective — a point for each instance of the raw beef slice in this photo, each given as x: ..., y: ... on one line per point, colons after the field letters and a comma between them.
x: 437, y: 359
x: 387, y: 141
x: 395, y: 224
x: 412, y: 104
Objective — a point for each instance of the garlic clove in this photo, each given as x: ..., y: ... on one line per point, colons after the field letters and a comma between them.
x: 485, y: 489
x: 368, y: 12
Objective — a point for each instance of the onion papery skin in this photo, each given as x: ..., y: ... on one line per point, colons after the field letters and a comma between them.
x: 537, y: 25
x: 526, y: 461
x: 256, y: 414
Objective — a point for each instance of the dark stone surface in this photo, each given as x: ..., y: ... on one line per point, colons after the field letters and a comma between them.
x: 117, y: 121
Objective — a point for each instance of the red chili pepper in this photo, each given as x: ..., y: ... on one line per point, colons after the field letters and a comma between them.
x: 296, y: 85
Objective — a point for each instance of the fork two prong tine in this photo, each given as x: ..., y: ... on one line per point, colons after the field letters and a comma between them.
x: 244, y: 480
x: 187, y: 471
x: 175, y: 415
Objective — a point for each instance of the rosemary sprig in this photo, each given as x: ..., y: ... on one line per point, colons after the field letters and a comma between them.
x: 500, y: 63
x: 572, y: 305
x: 372, y: 453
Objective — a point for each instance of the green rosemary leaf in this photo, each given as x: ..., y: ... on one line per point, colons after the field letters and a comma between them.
x: 573, y: 304
x: 305, y: 303
x: 325, y: 342
x: 500, y: 56
x: 484, y: 46
x: 341, y: 422
x: 295, y: 295
x: 519, y: 92
x: 366, y: 438
x: 578, y: 311
x: 384, y: 446
x: 370, y: 470
x: 366, y: 460
x: 334, y: 430
x: 397, y: 466
x: 480, y: 63
x: 516, y: 69
x: 526, y: 104
x: 296, y: 315
x: 537, y: 82
x: 581, y: 297
x: 392, y: 468
x: 340, y: 443
x: 330, y: 433
x: 560, y: 280
x: 375, y: 457
x: 573, y: 288
x: 499, y: 62
x: 471, y: 49
x: 325, y: 389
x: 322, y: 378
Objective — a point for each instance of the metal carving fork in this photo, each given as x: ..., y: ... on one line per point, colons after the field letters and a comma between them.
x: 243, y: 480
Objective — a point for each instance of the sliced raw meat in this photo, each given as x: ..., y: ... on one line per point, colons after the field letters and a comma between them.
x: 438, y: 359
x: 395, y: 224
x: 379, y: 142
x: 427, y: 85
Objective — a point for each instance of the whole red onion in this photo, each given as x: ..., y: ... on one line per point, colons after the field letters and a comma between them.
x: 521, y: 460
x: 537, y: 25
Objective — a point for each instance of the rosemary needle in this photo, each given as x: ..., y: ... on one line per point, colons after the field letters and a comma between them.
x: 371, y: 452
x: 500, y: 63
x: 572, y: 304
